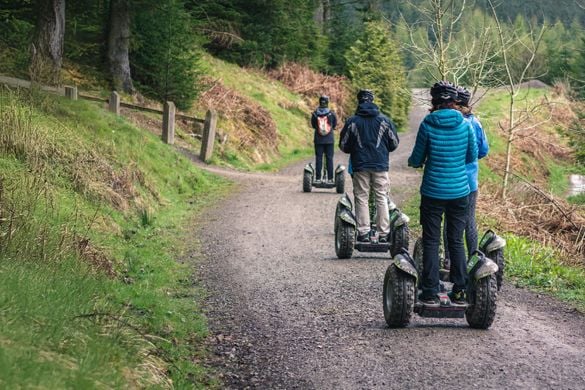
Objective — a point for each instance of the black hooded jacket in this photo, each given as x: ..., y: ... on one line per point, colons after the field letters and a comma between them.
x: 368, y: 137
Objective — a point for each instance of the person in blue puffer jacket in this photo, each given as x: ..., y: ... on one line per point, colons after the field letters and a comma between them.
x: 463, y: 99
x: 445, y: 144
x: 369, y: 136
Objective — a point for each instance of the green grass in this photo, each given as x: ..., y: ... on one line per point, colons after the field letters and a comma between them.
x: 577, y: 199
x: 95, y: 216
x: 289, y: 111
x: 531, y: 264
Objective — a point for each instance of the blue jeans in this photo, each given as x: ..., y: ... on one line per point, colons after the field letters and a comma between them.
x: 319, y: 150
x: 431, y: 215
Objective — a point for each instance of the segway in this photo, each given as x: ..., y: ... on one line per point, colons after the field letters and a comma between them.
x: 400, y: 295
x: 346, y: 231
x: 490, y: 244
x: 338, y: 180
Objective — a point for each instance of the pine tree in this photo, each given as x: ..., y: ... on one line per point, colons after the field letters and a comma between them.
x: 165, y: 54
x: 374, y: 62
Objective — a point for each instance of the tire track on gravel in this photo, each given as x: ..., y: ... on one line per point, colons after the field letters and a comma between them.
x: 284, y: 312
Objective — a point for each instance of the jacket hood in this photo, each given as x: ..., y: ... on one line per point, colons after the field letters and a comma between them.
x: 367, y: 109
x: 322, y: 111
x: 444, y: 118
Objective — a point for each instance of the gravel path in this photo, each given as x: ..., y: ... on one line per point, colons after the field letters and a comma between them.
x: 284, y: 312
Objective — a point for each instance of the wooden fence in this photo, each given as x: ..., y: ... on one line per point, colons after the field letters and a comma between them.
x: 168, y: 113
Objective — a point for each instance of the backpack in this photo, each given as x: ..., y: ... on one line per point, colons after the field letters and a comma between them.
x: 323, y: 125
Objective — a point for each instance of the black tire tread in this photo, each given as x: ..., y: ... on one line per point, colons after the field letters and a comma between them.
x: 498, y: 257
x: 340, y: 183
x: 482, y: 309
x: 346, y: 234
x: 402, y: 288
x: 307, y: 182
x: 400, y: 239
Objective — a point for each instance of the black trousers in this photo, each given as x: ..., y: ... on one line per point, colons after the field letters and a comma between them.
x: 471, y: 238
x: 431, y: 215
x: 319, y: 150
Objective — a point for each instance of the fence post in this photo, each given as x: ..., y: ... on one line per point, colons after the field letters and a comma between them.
x: 208, y: 135
x: 114, y: 103
x: 168, y: 127
x: 71, y: 92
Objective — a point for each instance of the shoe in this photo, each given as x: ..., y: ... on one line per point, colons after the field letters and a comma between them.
x: 432, y: 301
x: 363, y: 237
x: 317, y: 181
x: 458, y: 298
x: 383, y: 239
x: 330, y: 182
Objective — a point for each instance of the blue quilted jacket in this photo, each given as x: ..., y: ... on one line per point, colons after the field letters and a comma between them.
x: 482, y: 151
x: 445, y: 143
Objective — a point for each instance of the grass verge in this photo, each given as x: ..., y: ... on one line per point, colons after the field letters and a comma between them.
x: 94, y: 215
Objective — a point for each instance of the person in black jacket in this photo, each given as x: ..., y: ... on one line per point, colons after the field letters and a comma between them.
x: 323, y: 121
x: 369, y: 137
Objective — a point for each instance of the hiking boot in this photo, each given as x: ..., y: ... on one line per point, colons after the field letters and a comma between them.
x: 383, y: 239
x: 430, y: 301
x: 363, y: 237
x: 458, y: 298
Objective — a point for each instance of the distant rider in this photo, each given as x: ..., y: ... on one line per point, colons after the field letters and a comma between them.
x: 369, y: 137
x: 323, y: 121
x: 445, y: 144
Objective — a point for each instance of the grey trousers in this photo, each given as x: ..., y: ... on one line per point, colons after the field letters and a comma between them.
x: 361, y: 192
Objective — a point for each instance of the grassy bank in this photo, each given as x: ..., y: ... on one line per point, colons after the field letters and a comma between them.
x: 94, y: 216
x: 542, y: 156
x: 259, y: 97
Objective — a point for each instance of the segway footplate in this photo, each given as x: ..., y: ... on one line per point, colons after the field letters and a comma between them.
x: 445, y: 310
x: 371, y: 247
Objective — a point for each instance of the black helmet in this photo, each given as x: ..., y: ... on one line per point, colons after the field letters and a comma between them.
x: 365, y: 95
x: 463, y: 96
x: 443, y: 91
x: 323, y: 101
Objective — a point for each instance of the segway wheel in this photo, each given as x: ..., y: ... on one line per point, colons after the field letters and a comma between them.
x: 340, y: 183
x: 400, y: 238
x: 498, y: 257
x: 482, y: 299
x: 398, y: 297
x: 307, y: 182
x: 344, y: 239
x: 417, y: 256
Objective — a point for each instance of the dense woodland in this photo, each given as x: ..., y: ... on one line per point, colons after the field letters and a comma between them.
x: 155, y: 47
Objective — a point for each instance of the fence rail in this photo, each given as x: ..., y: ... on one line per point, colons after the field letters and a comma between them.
x: 168, y: 112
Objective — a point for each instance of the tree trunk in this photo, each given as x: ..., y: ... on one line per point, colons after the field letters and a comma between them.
x: 509, y: 141
x: 118, y: 43
x: 47, y: 48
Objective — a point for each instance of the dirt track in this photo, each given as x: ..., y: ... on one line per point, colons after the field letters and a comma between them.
x: 284, y: 312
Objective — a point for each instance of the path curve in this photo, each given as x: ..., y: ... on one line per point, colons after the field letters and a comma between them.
x: 284, y: 312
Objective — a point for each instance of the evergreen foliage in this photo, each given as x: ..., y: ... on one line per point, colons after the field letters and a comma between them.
x: 165, y: 58
x: 261, y: 33
x: 374, y: 62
